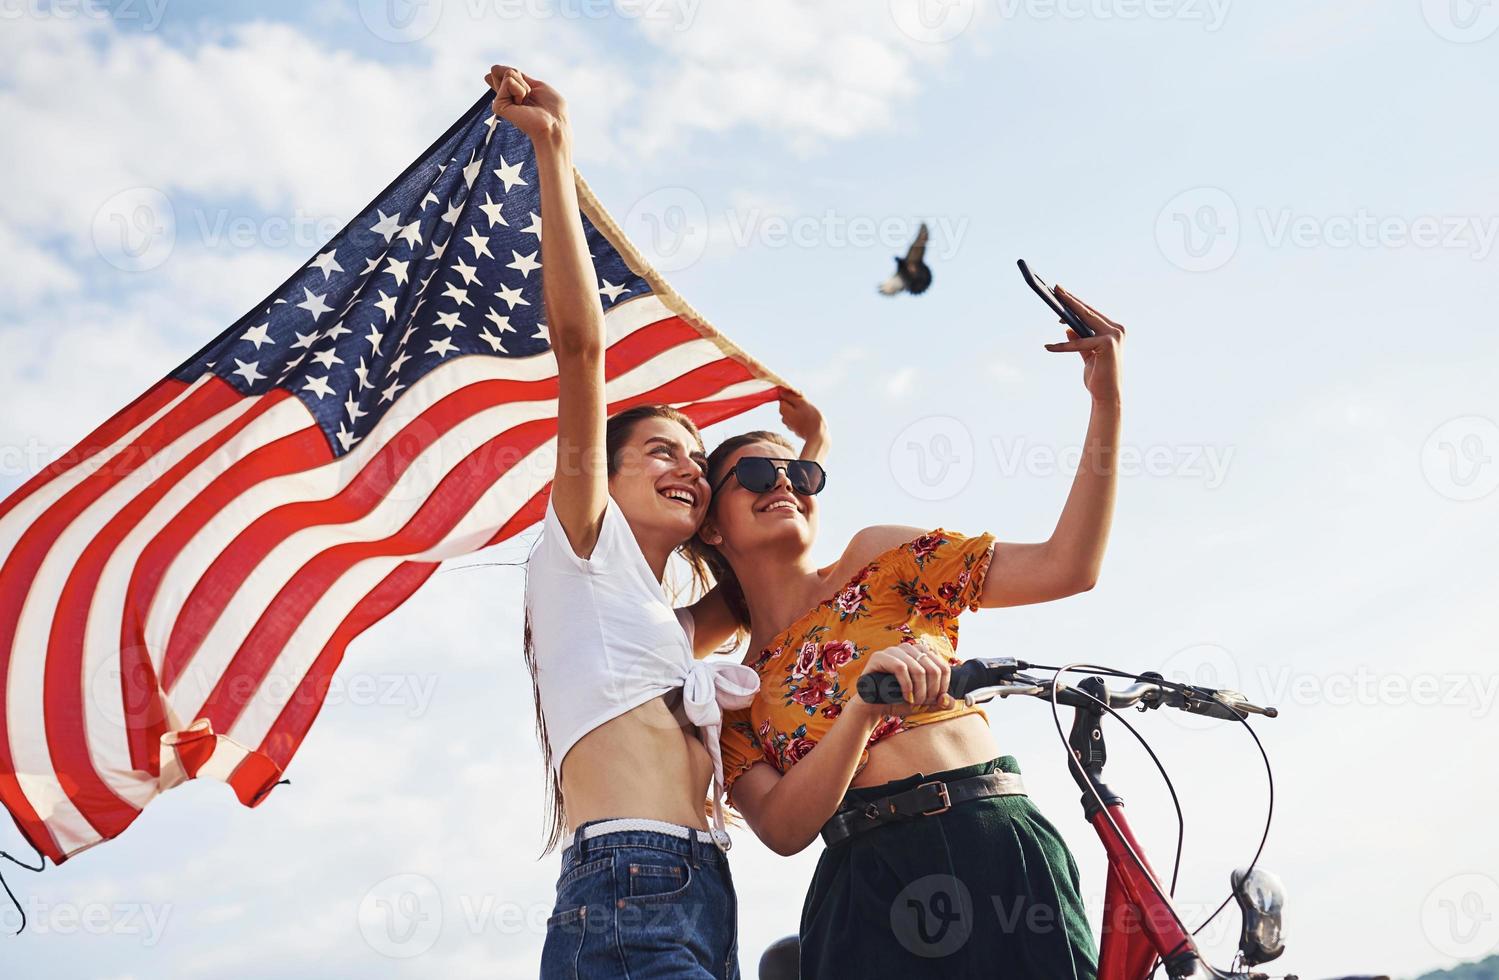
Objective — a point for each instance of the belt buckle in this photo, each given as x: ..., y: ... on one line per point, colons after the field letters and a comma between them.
x: 941, y: 795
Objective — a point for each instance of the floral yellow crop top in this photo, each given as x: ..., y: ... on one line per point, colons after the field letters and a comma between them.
x: 811, y: 669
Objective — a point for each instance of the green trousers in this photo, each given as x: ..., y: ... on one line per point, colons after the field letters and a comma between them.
x: 987, y: 889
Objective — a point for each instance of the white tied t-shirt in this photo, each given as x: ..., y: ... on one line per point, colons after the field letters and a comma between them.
x: 607, y: 640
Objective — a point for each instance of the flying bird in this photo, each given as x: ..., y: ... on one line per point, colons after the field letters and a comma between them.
x: 911, y: 274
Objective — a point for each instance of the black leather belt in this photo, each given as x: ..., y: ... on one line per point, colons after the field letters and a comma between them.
x: 926, y: 800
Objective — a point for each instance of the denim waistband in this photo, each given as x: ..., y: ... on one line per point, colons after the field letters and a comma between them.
x: 697, y: 852
x: 864, y: 794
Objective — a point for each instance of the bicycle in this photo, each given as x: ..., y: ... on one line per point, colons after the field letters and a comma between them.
x: 1142, y: 931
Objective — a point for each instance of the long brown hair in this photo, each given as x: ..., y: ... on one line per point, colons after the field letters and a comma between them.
x: 707, y: 555
x: 618, y: 430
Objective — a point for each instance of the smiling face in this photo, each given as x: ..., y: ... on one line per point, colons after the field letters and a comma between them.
x: 657, y: 478
x: 742, y: 521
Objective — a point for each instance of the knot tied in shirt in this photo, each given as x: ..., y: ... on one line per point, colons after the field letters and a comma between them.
x: 707, y: 691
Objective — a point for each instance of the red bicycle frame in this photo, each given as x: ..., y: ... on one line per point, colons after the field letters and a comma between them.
x: 1139, y: 923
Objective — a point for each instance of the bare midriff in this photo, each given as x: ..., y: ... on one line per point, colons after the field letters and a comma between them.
x: 965, y: 740
x: 648, y: 763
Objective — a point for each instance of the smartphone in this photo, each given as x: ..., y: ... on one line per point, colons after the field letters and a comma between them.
x: 1058, y: 307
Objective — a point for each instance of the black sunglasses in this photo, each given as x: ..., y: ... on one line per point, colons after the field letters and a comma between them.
x: 758, y: 474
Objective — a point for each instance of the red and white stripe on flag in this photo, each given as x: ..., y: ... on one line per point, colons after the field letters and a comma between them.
x: 178, y: 590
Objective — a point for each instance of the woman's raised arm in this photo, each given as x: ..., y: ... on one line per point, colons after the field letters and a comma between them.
x: 574, y: 312
x: 1069, y: 561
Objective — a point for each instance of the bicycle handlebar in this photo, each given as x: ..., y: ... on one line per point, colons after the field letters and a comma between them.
x: 983, y: 679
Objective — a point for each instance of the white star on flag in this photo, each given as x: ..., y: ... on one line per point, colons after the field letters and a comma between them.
x: 524, y: 264
x: 492, y: 211
x: 314, y: 305
x: 249, y: 370
x: 387, y: 225
x: 513, y: 297
x: 509, y: 174
x: 318, y: 386
x: 442, y: 346
x: 258, y: 335
x: 327, y: 263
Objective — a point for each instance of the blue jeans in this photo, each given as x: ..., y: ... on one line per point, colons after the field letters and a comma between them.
x: 642, y: 905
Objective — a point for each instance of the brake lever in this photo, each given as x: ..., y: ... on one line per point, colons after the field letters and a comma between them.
x: 1215, y: 703
x: 1223, y: 703
x: 983, y: 694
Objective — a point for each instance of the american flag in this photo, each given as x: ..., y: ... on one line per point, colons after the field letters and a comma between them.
x: 177, y: 591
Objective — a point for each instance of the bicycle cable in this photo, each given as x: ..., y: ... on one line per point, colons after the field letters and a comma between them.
x: 1270, y: 776
x: 1134, y: 855
x: 1269, y: 816
x: 1073, y: 762
x: 1181, y: 820
x: 1175, y: 802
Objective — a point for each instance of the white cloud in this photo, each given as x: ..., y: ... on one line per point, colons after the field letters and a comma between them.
x: 263, y: 112
x: 30, y: 272
x: 806, y: 73
x: 899, y: 383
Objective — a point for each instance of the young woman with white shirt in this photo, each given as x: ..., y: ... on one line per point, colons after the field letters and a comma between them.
x: 628, y: 715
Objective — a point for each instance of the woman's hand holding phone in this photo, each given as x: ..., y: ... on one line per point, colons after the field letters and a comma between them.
x: 1100, y: 353
x: 1090, y: 333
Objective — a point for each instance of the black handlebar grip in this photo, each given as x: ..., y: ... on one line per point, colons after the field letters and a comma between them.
x: 882, y: 688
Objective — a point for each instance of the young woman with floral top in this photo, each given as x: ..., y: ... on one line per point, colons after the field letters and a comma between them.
x: 937, y: 864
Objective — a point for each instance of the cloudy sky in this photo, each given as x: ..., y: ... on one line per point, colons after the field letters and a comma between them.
x: 1292, y: 206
